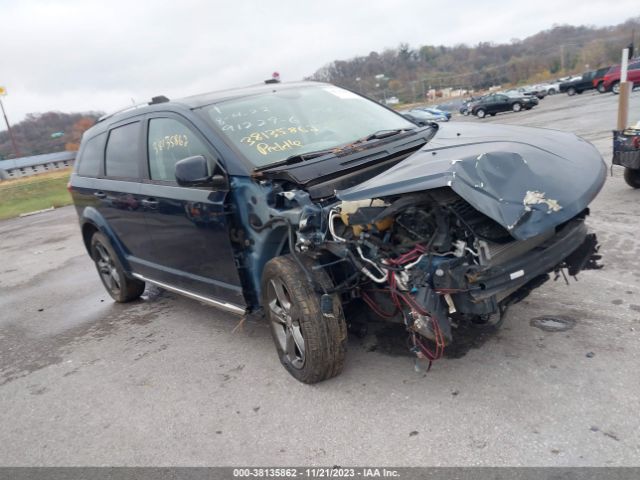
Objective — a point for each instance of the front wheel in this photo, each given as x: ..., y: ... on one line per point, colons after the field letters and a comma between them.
x: 552, y: 91
x: 517, y: 107
x: 632, y: 177
x: 615, y: 88
x: 480, y: 113
x: 311, y: 344
x: 571, y: 91
x: 121, y: 287
x: 601, y: 88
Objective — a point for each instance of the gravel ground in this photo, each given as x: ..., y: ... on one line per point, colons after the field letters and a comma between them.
x: 167, y: 381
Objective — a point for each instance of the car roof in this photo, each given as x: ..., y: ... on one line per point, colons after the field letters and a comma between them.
x: 203, y: 99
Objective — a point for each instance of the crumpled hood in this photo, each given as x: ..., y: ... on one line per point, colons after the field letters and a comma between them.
x: 527, y: 179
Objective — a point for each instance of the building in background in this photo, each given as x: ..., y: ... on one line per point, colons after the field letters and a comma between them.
x: 26, y: 166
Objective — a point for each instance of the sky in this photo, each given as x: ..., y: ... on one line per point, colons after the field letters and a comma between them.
x: 89, y: 55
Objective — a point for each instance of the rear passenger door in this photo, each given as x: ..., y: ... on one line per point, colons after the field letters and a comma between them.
x: 188, y: 226
x: 117, y: 192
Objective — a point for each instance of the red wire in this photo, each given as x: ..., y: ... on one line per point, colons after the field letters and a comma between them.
x: 397, y: 297
x: 369, y: 301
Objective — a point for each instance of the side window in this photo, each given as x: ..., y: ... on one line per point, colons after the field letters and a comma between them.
x: 123, y: 152
x: 92, y: 156
x: 169, y: 141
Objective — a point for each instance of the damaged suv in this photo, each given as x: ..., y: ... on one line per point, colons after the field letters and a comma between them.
x: 302, y: 201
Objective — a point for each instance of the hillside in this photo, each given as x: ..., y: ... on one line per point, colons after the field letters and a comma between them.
x: 409, y: 73
x: 46, y: 133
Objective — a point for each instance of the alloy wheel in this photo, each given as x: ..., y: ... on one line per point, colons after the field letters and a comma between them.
x: 107, y: 269
x: 285, y: 323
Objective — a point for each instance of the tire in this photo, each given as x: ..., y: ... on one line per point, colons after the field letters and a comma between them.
x: 601, y: 88
x: 615, y: 88
x: 480, y: 113
x: 552, y: 91
x: 121, y: 287
x: 493, y: 114
x: 571, y: 91
x: 632, y: 177
x: 516, y: 107
x: 311, y: 345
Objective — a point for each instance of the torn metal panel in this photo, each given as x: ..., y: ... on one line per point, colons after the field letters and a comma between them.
x: 527, y: 179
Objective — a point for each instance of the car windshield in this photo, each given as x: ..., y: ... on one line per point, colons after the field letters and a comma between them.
x: 271, y: 127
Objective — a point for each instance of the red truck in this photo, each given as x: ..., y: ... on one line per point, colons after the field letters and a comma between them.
x: 611, y: 82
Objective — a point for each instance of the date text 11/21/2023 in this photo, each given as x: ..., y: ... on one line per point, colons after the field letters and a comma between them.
x: 315, y: 472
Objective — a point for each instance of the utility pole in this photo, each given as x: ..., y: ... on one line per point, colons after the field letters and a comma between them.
x: 4, y: 114
x: 625, y: 89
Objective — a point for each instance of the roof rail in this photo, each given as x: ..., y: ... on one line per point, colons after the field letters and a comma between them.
x: 154, y: 100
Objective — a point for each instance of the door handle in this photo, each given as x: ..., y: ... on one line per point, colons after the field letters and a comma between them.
x: 149, y: 203
x: 99, y: 194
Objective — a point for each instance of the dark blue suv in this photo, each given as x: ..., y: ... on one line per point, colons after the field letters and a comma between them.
x: 304, y: 201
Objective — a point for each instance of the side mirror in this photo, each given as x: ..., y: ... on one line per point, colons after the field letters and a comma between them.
x: 194, y: 172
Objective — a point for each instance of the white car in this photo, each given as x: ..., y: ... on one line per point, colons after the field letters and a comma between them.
x: 549, y: 88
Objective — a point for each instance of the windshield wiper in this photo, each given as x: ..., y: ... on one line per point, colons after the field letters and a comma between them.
x: 380, y: 134
x: 301, y: 157
x: 297, y: 158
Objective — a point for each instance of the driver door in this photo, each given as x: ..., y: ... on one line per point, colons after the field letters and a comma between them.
x: 188, y: 226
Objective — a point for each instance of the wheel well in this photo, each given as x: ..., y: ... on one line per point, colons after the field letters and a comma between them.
x: 88, y: 229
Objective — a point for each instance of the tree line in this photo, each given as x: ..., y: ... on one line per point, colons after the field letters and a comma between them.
x: 46, y: 133
x: 409, y: 73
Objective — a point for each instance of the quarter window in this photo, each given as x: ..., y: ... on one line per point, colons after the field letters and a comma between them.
x: 170, y: 141
x: 91, y: 158
x: 123, y: 152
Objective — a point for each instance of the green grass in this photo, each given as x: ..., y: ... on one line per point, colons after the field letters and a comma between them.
x: 28, y: 194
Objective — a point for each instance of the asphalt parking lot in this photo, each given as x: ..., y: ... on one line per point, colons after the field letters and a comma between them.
x: 169, y: 381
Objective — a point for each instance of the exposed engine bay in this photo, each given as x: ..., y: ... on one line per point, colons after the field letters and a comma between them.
x: 429, y: 260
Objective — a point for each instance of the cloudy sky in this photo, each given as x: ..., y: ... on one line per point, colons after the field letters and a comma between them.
x: 87, y: 55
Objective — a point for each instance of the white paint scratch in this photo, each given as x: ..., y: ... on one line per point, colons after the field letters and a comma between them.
x: 538, y: 198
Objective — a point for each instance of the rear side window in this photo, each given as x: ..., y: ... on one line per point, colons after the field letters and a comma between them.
x: 92, y: 156
x: 123, y: 151
x: 170, y: 141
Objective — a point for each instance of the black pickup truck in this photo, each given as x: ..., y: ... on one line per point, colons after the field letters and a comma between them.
x: 579, y: 85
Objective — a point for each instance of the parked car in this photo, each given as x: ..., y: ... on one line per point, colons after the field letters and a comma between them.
x: 527, y: 91
x: 611, y: 82
x: 598, y: 79
x: 435, y: 111
x: 626, y: 153
x: 465, y: 108
x: 549, y: 88
x: 450, y: 106
x: 501, y: 102
x: 578, y: 85
x: 423, y: 117
x: 303, y: 201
